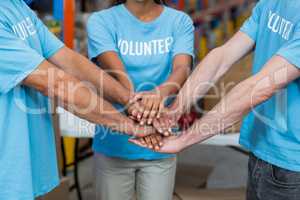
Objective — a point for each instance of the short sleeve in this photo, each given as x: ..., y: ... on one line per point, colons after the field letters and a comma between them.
x: 251, y: 25
x: 184, y: 37
x: 100, y: 36
x: 17, y: 60
x: 291, y: 49
x: 50, y: 43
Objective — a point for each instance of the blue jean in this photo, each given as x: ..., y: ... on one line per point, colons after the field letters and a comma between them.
x: 268, y: 182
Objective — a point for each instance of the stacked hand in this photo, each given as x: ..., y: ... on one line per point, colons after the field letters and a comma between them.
x: 147, y: 108
x: 171, y: 145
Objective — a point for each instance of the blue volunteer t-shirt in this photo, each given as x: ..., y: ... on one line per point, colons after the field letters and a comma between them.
x: 147, y: 51
x: 272, y: 130
x: 27, y: 145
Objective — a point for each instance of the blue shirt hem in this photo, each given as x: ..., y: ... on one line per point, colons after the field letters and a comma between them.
x: 248, y: 33
x: 136, y: 156
x: 53, y: 52
x: 47, y: 189
x: 271, y: 157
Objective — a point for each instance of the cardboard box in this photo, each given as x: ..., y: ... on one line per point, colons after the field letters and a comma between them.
x: 211, y: 194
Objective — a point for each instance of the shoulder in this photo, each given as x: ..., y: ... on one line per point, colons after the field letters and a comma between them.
x: 267, y: 2
x: 178, y: 17
x: 104, y: 16
x: 261, y: 4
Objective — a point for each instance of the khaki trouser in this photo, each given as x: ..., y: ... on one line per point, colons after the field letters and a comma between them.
x: 118, y: 179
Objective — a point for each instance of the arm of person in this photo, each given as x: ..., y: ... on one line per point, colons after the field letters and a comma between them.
x: 112, y: 64
x: 81, y: 68
x: 78, y: 98
x: 153, y: 102
x: 211, y: 69
x: 275, y: 75
x: 182, y: 65
x: 206, y: 74
x: 181, y: 52
x: 219, y: 61
x: 32, y: 67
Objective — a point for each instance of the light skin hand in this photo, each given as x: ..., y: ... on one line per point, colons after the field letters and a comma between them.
x: 168, y: 120
x: 170, y: 145
x: 164, y: 126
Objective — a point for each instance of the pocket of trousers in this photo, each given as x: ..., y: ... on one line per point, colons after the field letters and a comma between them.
x: 284, y: 177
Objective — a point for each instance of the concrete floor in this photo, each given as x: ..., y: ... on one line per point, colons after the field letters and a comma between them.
x: 225, y: 168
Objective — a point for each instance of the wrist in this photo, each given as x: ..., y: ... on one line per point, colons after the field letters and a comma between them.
x: 188, y: 139
x: 197, y: 134
x: 121, y: 123
x: 126, y: 82
x: 163, y: 91
x: 185, y: 140
x: 131, y: 127
x: 125, y: 97
x: 176, y: 110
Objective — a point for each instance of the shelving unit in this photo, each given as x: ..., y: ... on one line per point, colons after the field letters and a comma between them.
x: 222, y: 7
x: 64, y: 11
x: 214, y: 20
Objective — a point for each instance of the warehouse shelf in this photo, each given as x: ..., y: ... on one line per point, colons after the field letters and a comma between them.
x: 221, y: 8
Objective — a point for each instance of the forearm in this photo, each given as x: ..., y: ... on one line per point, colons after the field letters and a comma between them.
x: 105, y: 84
x: 205, y: 75
x: 277, y: 74
x: 224, y: 114
x: 86, y: 104
x: 77, y: 97
x: 212, y: 68
x: 175, y: 81
x: 80, y: 67
x: 111, y: 63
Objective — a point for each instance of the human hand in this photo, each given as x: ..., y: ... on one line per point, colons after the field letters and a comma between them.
x: 168, y: 121
x: 135, y: 110
x: 153, y: 141
x: 138, y: 131
x: 170, y: 145
x: 147, y: 107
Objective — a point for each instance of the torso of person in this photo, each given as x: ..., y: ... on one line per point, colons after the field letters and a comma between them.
x: 28, y: 154
x: 147, y: 50
x: 271, y: 130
